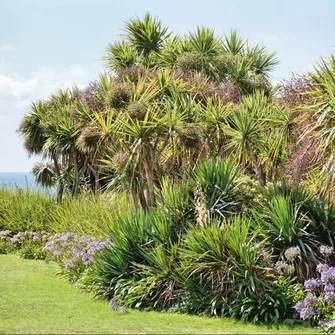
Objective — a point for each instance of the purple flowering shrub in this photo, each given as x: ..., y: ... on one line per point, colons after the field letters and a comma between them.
x: 27, y: 244
x: 319, y: 302
x: 74, y: 253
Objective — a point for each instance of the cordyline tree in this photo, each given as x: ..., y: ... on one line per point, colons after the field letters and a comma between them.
x: 164, y: 103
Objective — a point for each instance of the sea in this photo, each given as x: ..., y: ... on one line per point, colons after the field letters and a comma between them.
x: 13, y: 180
x: 17, y: 179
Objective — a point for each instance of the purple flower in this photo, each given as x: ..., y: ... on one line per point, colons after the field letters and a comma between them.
x: 15, y: 239
x: 307, y: 313
x: 326, y: 324
x: 322, y: 324
x: 299, y: 306
x: 322, y: 267
x: 68, y: 265
x: 114, y: 305
x: 292, y: 253
x: 330, y: 297
x: 328, y: 276
x: 329, y: 288
x: 5, y: 235
x: 310, y: 300
x: 312, y: 284
x: 326, y: 250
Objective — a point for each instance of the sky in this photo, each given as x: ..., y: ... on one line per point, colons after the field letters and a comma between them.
x: 46, y: 45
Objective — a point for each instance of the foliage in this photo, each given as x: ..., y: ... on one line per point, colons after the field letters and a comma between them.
x: 25, y: 209
x: 218, y: 182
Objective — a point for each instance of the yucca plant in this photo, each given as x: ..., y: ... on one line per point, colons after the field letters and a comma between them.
x: 224, y: 260
x: 287, y: 225
x: 155, y: 284
x: 127, y: 235
x: 234, y: 43
x: 218, y: 182
x: 120, y: 55
x: 146, y: 35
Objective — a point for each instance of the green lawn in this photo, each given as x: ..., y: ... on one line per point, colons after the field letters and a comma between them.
x: 34, y: 300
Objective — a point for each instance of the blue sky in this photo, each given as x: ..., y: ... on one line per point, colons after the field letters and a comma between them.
x: 46, y: 45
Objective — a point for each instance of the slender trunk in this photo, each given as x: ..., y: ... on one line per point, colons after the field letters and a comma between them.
x: 148, y: 164
x: 143, y: 201
x: 260, y: 174
x: 96, y: 181
x: 84, y: 168
x: 75, y: 186
x: 60, y: 183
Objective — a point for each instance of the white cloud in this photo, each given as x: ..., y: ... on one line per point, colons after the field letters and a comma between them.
x: 16, y: 93
x: 40, y: 84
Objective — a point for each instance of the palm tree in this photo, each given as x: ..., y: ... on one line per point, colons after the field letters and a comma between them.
x: 35, y: 135
x: 322, y: 132
x: 257, y: 133
x: 145, y: 35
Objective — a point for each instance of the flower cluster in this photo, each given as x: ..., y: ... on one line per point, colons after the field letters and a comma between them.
x: 22, y: 238
x: 326, y: 250
x: 58, y: 245
x: 284, y: 269
x: 306, y: 308
x: 320, y: 299
x: 312, y: 284
x: 328, y: 326
x: 69, y: 248
x: 322, y: 267
x: 292, y: 253
x: 114, y: 305
x: 5, y: 235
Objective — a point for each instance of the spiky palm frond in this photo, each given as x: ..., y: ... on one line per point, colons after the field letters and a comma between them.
x: 63, y: 131
x: 146, y: 35
x: 170, y: 50
x: 263, y: 61
x: 239, y: 73
x: 204, y: 41
x: 234, y: 43
x: 243, y: 136
x: 32, y: 129
x: 120, y: 55
x: 218, y: 181
x: 44, y: 173
x: 322, y: 105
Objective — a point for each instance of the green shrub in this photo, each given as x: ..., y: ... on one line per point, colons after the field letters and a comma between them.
x: 218, y: 180
x: 89, y: 214
x: 25, y: 209
x: 29, y: 210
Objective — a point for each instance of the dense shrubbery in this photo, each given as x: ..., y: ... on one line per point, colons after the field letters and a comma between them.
x: 229, y: 190
x: 197, y: 252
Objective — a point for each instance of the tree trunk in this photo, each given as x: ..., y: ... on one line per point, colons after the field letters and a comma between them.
x: 148, y: 164
x: 75, y: 186
x: 60, y: 183
x: 260, y: 174
x: 143, y: 201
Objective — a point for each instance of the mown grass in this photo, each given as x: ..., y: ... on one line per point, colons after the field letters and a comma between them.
x: 34, y: 300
